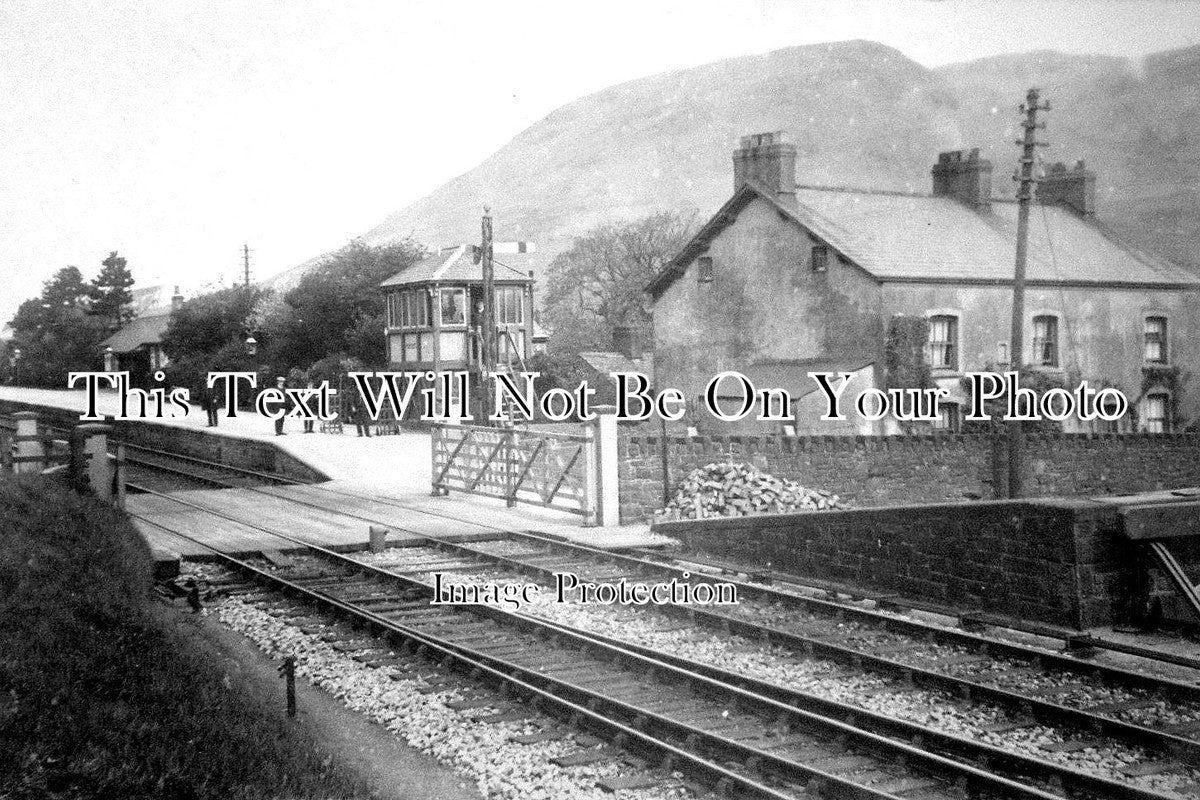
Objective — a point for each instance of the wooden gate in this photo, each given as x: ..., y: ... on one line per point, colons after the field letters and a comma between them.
x: 557, y: 470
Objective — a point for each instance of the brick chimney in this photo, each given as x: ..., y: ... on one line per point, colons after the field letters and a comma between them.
x: 176, y: 300
x: 965, y: 177
x: 1075, y: 188
x: 770, y: 161
x: 627, y: 342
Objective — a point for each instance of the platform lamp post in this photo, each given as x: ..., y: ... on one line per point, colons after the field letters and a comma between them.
x: 16, y: 363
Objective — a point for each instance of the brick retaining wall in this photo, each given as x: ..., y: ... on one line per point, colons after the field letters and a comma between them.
x: 876, y: 471
x: 1057, y: 561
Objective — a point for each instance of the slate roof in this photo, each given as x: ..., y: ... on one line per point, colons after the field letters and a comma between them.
x: 895, y: 236
x: 141, y: 331
x: 457, y: 265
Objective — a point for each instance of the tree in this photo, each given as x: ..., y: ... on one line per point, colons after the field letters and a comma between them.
x: 109, y: 291
x: 598, y: 283
x: 337, y: 307
x: 209, y: 331
x: 56, y: 333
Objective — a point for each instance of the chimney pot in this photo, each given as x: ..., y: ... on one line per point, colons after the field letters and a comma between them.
x: 969, y: 180
x: 769, y: 160
x: 1075, y: 188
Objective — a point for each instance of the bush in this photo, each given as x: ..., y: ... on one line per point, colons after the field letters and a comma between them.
x: 101, y: 694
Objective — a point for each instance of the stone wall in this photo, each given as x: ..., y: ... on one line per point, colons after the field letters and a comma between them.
x: 1058, y: 561
x: 877, y: 471
x: 255, y: 454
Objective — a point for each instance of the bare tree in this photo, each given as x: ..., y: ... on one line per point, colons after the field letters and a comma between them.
x: 597, y: 284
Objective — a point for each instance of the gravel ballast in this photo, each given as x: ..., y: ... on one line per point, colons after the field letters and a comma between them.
x: 826, y: 679
x: 481, y: 751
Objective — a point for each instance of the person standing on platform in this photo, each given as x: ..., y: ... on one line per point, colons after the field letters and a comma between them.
x: 309, y: 421
x: 357, y: 413
x: 210, y: 401
x: 281, y: 384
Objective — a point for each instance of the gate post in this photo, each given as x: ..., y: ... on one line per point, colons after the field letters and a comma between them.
x: 90, y: 466
x: 31, y: 450
x: 591, y: 473
x: 603, y: 491
x: 610, y: 489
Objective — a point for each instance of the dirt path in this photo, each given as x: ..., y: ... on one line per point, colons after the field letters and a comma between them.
x: 394, y: 770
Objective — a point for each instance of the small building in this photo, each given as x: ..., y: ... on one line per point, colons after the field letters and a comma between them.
x: 784, y: 276
x: 137, y: 347
x: 435, y: 310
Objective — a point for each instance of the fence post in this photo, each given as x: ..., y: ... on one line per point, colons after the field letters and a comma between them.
x: 31, y: 450
x: 288, y: 671
x: 119, y: 477
x: 90, y: 466
x: 610, y: 490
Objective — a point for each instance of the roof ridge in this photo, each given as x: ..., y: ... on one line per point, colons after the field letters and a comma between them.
x: 861, y: 190
x: 454, y: 256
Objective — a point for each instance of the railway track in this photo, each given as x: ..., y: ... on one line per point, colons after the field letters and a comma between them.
x: 773, y: 700
x: 1034, y: 685
x: 743, y: 743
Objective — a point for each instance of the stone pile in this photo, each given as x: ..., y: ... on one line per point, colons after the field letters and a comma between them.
x: 739, y: 490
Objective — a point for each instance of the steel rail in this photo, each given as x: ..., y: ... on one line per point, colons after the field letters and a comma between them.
x: 1071, y: 641
x: 1040, y: 708
x: 966, y: 775
x: 624, y: 736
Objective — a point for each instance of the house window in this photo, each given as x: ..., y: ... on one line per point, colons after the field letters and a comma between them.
x: 1158, y: 418
x: 454, y: 307
x: 510, y: 310
x: 943, y: 342
x: 705, y: 272
x: 1155, y: 336
x: 820, y: 258
x: 1045, y: 341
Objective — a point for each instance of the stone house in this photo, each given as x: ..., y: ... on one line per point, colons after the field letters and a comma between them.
x: 786, y: 278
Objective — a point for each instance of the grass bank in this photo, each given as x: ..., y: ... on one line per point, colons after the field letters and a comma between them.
x: 103, y: 695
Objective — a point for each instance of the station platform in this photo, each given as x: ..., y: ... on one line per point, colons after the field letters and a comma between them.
x: 387, y: 477
x: 399, y: 461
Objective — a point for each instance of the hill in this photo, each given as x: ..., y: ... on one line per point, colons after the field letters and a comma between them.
x: 860, y: 113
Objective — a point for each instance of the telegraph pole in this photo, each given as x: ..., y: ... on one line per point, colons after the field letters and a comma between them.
x: 246, y: 265
x: 489, y: 296
x: 1026, y: 181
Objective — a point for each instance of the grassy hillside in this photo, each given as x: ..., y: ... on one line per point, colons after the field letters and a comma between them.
x: 862, y: 114
x: 101, y: 696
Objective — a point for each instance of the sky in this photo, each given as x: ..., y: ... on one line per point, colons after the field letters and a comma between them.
x: 175, y: 132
